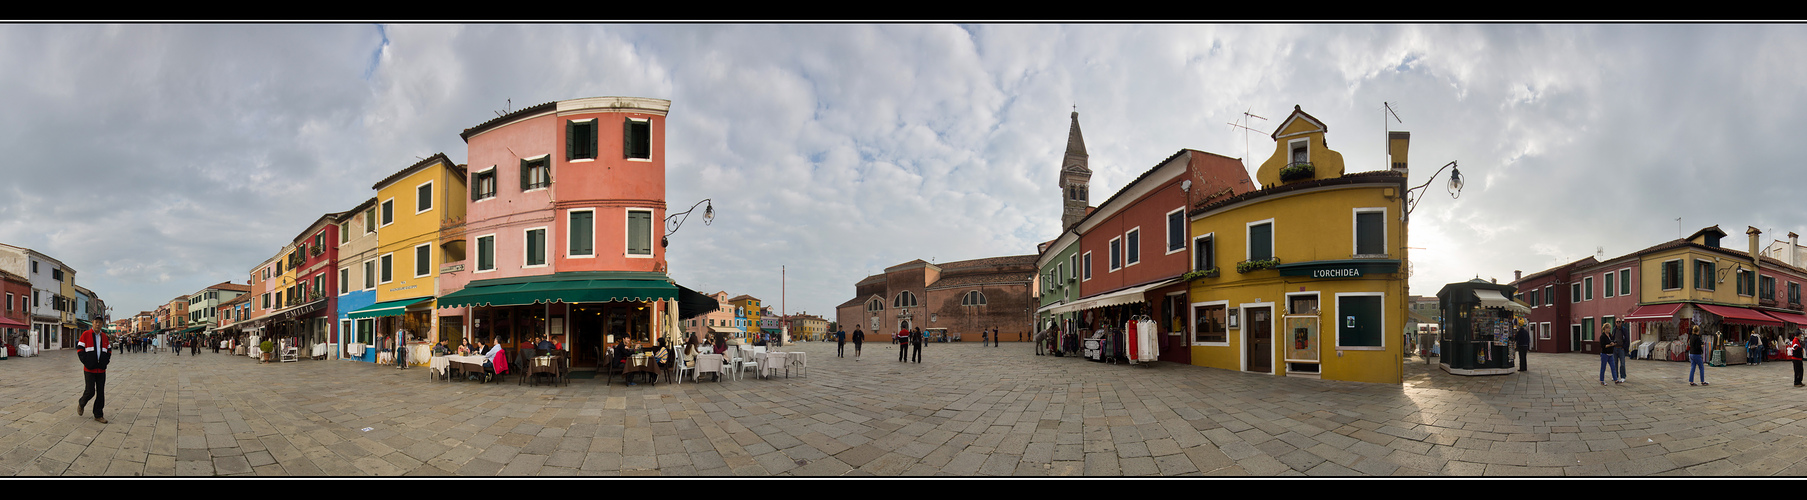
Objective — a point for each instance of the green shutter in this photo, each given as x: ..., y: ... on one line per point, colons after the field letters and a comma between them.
x: 474, y: 186
x: 1370, y: 233
x: 639, y: 233
x: 570, y: 140
x: 582, y: 229
x: 1261, y: 242
x: 627, y: 137
x: 524, y: 167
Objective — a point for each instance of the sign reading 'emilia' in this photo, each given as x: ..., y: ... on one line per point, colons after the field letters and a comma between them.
x: 1347, y: 272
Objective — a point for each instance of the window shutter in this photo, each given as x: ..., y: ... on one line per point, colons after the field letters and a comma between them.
x: 570, y: 140
x: 627, y: 138
x: 476, y: 186
x: 524, y: 167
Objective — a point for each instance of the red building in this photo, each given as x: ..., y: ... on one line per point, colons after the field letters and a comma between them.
x: 1548, y: 292
x: 307, y: 307
x: 15, y: 318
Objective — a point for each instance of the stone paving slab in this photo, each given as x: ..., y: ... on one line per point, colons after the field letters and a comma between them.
x: 964, y: 411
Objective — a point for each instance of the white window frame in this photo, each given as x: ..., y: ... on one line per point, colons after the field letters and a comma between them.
x: 526, y: 234
x: 344, y: 279
x: 1242, y: 312
x: 1355, y: 230
x: 1289, y: 150
x: 494, y: 180
x: 1624, y: 282
x: 430, y: 193
x: 1574, y: 293
x: 1609, y: 284
x: 1183, y: 230
x: 1116, y: 250
x: 624, y: 145
x: 595, y: 128
x: 1137, y: 246
x: 1680, y: 279
x: 1192, y: 323
x: 548, y: 158
x: 1549, y: 295
x: 1248, y: 243
x: 652, y: 249
x: 344, y: 234
x: 1087, y: 266
x: 416, y: 257
x: 387, y: 259
x: 370, y: 274
x: 1339, y: 315
x: 1073, y: 262
x: 1587, y: 288
x: 379, y: 212
x: 569, y: 233
x: 1192, y: 258
x: 1545, y: 333
x: 478, y: 256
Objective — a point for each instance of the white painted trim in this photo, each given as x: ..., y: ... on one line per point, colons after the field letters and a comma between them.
x: 431, y: 193
x: 416, y: 258
x: 569, y: 232
x: 1355, y: 229
x: 344, y: 279
x: 546, y: 238
x: 1116, y: 250
x: 1549, y: 295
x: 380, y: 259
x: 1289, y: 149
x: 370, y: 274
x: 1185, y: 229
x: 1248, y: 248
x: 1192, y: 258
x: 477, y: 257
x: 652, y: 247
x: 1273, y: 343
x: 1289, y: 301
x: 1681, y: 277
x: 1587, y: 288
x: 1192, y: 314
x: 379, y: 212
x: 1337, y: 322
x: 1137, y: 246
x: 1545, y: 333
x: 1088, y: 267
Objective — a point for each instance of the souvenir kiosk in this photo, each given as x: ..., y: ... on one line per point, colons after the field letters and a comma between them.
x: 1479, y: 319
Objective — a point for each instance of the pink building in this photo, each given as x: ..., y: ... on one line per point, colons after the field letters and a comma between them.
x: 1600, y: 296
x: 563, y: 231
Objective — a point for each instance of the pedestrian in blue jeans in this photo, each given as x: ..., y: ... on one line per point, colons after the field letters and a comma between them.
x: 1607, y: 344
x: 1695, y: 360
x: 1619, y: 353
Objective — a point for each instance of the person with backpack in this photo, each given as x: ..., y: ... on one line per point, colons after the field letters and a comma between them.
x: 1793, y: 353
x: 94, y: 356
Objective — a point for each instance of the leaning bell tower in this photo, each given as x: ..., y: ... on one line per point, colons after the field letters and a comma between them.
x: 1074, y: 175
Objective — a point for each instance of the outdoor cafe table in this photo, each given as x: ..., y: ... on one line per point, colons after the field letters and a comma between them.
x: 462, y: 363
x: 541, y: 364
x: 640, y: 363
x: 709, y: 363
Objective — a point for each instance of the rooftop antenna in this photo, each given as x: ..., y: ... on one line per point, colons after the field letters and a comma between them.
x: 1386, y: 133
x: 1246, y: 115
x: 506, y: 109
x: 1599, y: 252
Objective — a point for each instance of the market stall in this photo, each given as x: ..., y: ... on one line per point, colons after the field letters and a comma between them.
x: 1477, y: 328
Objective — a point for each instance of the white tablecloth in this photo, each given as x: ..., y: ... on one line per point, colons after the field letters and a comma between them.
x: 773, y: 361
x: 709, y: 363
x: 356, y: 350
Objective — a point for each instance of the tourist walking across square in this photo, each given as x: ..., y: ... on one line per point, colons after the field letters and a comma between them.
x: 1695, y: 359
x: 1624, y: 339
x: 94, y: 356
x: 1606, y: 356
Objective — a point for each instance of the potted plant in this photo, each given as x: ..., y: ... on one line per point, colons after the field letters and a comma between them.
x: 266, y: 346
x: 1297, y: 171
x: 1197, y: 274
x: 1256, y: 265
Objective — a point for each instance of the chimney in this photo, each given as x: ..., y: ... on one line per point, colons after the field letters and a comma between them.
x: 1794, y: 240
x: 1756, y: 258
x: 1396, y: 149
x: 1517, y: 275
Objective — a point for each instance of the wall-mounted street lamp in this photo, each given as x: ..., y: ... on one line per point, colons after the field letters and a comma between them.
x: 676, y: 220
x: 1454, y: 187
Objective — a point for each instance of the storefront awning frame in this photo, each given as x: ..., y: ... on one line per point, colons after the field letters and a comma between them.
x: 1740, y: 315
x: 385, y: 309
x: 1653, y: 312
x: 1126, y: 296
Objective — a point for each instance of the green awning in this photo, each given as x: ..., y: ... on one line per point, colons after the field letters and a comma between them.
x: 568, y: 291
x: 390, y: 308
x: 192, y: 329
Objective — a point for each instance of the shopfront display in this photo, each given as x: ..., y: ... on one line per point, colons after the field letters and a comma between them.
x: 1477, y: 329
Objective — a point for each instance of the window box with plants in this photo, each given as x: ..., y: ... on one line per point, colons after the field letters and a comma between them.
x: 1297, y: 171
x: 1198, y: 274
x: 1256, y: 265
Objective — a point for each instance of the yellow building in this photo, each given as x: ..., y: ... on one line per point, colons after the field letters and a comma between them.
x: 748, y: 308
x: 411, y: 207
x: 1303, y: 277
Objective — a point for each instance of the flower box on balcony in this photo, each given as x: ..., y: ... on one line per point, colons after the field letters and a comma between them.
x: 1256, y: 265
x: 1297, y: 171
x: 1198, y: 274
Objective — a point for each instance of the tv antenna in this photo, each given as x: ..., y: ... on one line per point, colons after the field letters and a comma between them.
x: 509, y: 108
x: 1386, y: 134
x: 1246, y: 115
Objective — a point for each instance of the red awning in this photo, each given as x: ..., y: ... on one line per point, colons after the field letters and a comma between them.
x: 6, y: 322
x: 1740, y: 316
x: 1654, y: 312
x: 1796, y: 319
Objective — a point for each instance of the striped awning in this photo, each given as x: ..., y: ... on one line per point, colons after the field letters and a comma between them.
x: 1740, y: 315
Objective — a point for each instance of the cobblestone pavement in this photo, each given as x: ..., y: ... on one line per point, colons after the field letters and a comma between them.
x: 966, y: 410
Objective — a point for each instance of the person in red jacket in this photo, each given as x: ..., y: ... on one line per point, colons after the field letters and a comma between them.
x: 94, y: 355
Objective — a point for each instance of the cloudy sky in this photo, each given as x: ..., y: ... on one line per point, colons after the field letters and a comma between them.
x: 160, y: 159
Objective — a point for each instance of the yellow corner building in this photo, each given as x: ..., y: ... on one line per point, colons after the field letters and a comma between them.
x: 411, y: 207
x: 1304, y: 277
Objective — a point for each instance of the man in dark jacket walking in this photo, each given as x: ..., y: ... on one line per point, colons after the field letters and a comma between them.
x: 94, y: 355
x: 840, y: 343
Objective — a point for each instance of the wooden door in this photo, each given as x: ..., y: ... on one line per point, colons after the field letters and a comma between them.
x: 1259, y: 329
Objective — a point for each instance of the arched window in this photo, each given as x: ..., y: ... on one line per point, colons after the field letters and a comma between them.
x: 905, y: 299
x: 972, y: 298
x: 875, y: 305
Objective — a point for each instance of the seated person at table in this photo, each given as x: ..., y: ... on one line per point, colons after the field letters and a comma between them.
x: 490, y: 355
x: 440, y: 349
x: 620, y: 355
x: 544, y: 345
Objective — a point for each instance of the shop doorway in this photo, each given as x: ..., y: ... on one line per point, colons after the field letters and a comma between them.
x: 1260, y: 333
x: 587, y: 344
